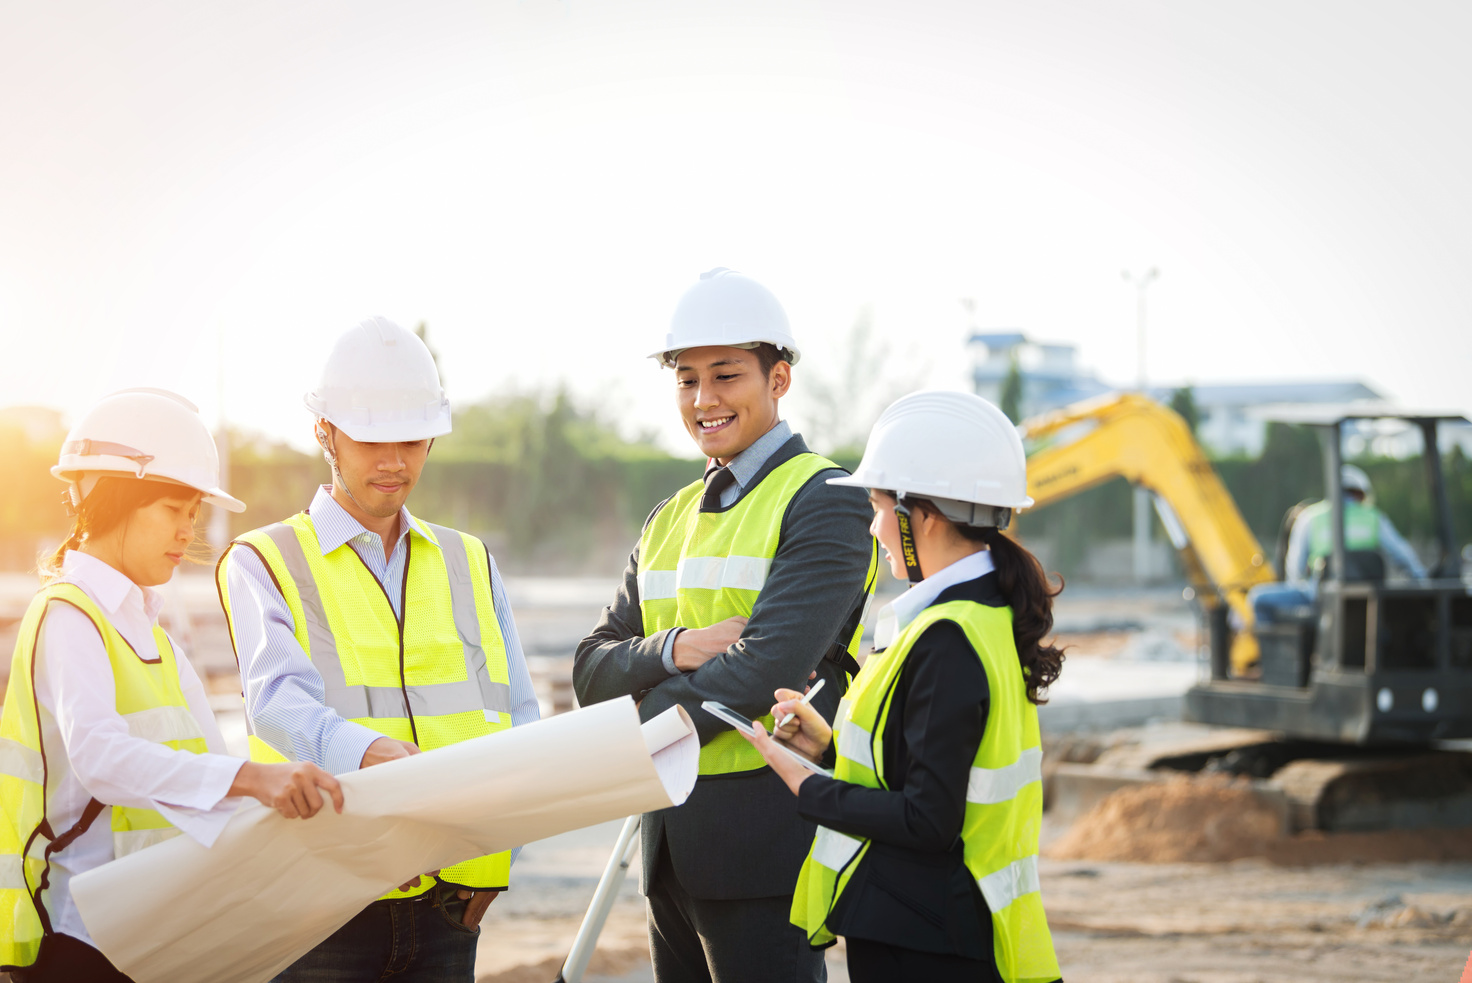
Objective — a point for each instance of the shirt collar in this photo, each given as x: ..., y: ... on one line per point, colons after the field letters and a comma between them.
x: 897, y: 615
x: 744, y: 466
x: 334, y: 526
x: 108, y: 586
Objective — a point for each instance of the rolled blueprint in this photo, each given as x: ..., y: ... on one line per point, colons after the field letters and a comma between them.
x: 271, y: 888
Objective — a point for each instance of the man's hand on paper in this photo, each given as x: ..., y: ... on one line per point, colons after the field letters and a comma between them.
x: 415, y: 882
x: 387, y: 749
x: 477, y: 903
x: 289, y: 787
x: 694, y: 647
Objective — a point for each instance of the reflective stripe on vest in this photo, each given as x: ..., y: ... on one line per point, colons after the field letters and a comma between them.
x: 477, y: 692
x: 989, y: 786
x: 853, y: 742
x: 148, y: 697
x: 699, y: 568
x: 12, y: 875
x: 21, y: 762
x: 438, y: 675
x: 1003, y: 795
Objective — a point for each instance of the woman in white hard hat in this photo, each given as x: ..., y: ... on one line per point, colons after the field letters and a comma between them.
x: 103, y: 713
x: 925, y: 857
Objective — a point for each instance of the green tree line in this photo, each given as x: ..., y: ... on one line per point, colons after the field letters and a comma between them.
x: 551, y: 486
x: 554, y: 488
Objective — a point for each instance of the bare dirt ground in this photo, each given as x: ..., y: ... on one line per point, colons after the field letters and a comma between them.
x: 1311, y: 911
x: 1252, y: 922
x: 1245, y: 921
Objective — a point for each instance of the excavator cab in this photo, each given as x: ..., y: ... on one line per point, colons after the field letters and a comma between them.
x: 1372, y: 660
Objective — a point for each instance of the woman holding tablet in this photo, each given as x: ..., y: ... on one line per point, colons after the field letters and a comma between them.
x: 107, y: 742
x: 925, y: 858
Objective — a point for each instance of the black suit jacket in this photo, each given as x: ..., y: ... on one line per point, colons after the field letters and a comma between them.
x: 739, y: 836
x: 913, y: 888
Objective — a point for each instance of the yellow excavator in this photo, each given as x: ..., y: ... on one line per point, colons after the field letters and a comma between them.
x: 1126, y: 435
x: 1361, y: 687
x: 1368, y: 661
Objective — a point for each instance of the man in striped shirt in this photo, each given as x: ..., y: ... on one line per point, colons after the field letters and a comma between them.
x: 364, y: 635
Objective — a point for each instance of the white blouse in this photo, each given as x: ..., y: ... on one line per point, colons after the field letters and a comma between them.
x: 89, y: 751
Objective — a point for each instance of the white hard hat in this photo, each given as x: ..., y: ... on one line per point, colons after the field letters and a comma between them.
x: 380, y: 385
x: 143, y: 433
x: 953, y: 448
x: 729, y: 309
x: 1354, y: 479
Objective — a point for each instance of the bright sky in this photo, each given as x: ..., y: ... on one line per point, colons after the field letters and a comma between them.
x: 539, y: 180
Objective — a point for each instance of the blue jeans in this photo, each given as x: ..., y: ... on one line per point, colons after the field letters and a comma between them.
x: 1270, y: 601
x: 415, y: 940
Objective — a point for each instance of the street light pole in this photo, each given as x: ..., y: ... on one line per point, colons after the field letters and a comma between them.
x: 1142, y: 526
x: 1142, y: 283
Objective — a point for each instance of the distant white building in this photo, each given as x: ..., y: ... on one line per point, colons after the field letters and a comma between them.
x: 1227, y: 423
x: 1051, y: 377
x: 1050, y: 374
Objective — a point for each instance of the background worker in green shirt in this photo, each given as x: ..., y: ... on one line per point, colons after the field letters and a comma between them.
x: 754, y: 579
x: 1370, y: 538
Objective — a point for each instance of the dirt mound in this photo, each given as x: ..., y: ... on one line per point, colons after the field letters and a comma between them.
x: 1213, y: 819
x: 1179, y: 820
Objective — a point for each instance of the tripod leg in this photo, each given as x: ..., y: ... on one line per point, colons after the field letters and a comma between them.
x: 608, y: 885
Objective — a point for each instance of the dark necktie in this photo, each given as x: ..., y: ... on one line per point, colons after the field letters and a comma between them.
x: 717, y: 480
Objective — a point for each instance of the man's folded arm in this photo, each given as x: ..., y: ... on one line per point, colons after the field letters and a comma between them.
x: 816, y: 578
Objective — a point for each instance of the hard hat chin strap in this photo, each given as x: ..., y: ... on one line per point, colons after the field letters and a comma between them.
x: 907, y: 541
x: 329, y: 452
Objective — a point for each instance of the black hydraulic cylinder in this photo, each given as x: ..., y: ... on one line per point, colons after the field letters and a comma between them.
x: 1219, y: 635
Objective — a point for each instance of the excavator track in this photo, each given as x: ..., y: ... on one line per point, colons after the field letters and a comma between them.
x: 1419, y: 791
x: 1340, y: 789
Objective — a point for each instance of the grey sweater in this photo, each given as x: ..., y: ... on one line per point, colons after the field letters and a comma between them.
x: 739, y: 836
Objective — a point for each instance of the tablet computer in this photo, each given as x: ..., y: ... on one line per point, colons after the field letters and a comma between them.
x: 744, y: 725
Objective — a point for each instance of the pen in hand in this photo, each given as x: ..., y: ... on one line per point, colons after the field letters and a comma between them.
x: 806, y: 699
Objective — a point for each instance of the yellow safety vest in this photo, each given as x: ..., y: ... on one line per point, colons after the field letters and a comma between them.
x: 437, y: 677
x: 1004, y: 797
x: 699, y: 568
x: 1361, y: 529
x: 148, y: 698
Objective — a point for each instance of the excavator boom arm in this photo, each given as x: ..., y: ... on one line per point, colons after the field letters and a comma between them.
x: 1130, y: 436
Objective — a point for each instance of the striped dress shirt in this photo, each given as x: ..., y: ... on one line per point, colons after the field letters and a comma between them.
x: 284, y: 692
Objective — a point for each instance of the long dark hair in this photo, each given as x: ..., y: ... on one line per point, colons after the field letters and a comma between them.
x: 109, y: 505
x: 1029, y: 592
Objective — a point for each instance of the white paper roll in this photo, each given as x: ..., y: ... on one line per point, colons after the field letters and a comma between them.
x: 270, y: 888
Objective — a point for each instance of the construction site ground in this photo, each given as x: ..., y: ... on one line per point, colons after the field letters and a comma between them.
x: 1247, y: 921
x: 1266, y: 905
